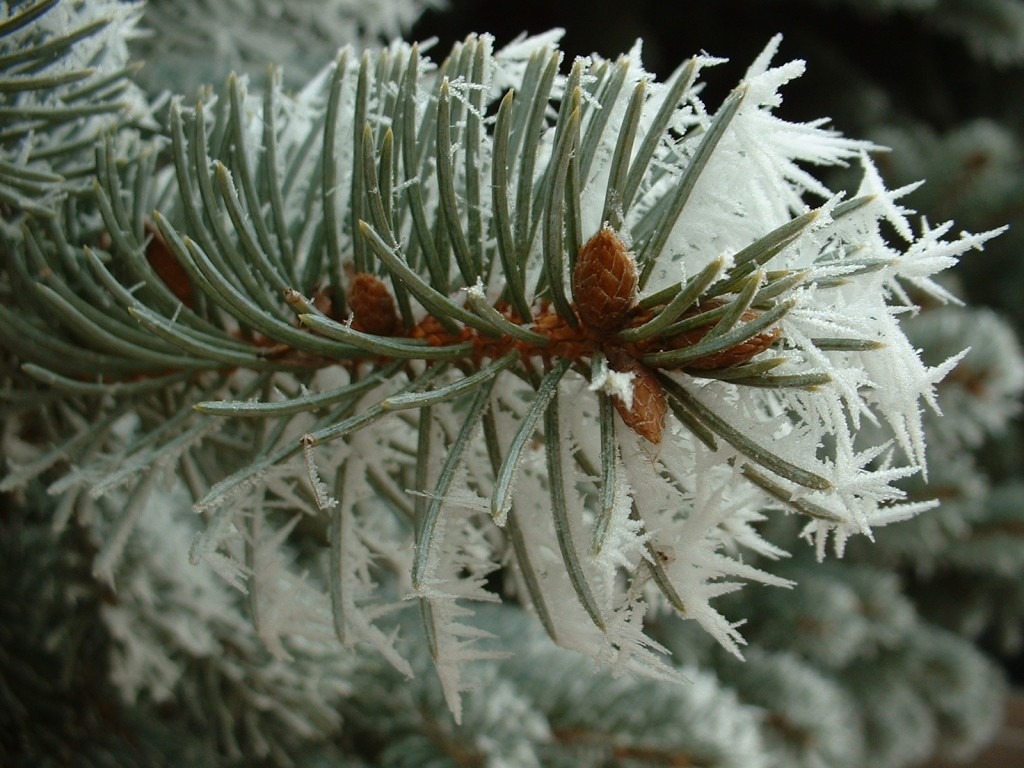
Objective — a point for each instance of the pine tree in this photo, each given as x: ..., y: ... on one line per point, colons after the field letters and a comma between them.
x: 333, y: 398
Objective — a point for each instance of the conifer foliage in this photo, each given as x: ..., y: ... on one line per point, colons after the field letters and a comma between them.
x: 428, y: 333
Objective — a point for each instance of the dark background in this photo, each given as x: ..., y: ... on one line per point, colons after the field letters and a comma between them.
x: 913, y: 70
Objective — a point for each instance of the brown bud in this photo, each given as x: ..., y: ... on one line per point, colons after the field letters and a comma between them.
x: 322, y: 301
x: 604, y: 282
x: 432, y: 330
x: 565, y: 341
x: 727, y: 358
x: 373, y: 308
x: 646, y: 417
x: 167, y: 267
x: 737, y: 354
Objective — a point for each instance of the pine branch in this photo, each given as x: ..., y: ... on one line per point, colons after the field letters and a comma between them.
x: 320, y: 264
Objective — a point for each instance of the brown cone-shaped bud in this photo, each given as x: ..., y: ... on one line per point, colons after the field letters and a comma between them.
x: 168, y: 268
x: 604, y: 282
x: 373, y: 308
x: 646, y: 417
x: 735, y: 355
x: 727, y: 358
